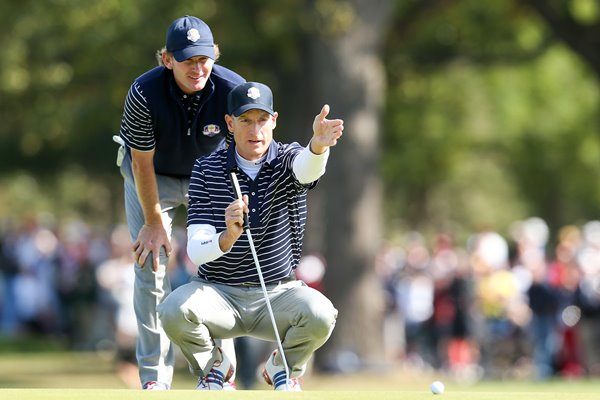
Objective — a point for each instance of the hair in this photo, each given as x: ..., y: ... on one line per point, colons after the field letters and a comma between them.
x: 160, y: 52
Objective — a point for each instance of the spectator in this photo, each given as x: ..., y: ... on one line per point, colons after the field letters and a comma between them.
x: 116, y: 278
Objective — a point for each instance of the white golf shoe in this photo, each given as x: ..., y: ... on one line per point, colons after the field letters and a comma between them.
x: 274, y: 375
x: 218, y: 376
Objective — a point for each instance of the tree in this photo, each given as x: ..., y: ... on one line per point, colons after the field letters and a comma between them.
x: 576, y: 23
x: 481, y: 117
x: 347, y: 73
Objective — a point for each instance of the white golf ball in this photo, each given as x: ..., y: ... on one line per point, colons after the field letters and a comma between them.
x: 437, y: 387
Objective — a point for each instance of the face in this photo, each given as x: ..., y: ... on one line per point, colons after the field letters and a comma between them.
x: 252, y: 132
x: 191, y: 74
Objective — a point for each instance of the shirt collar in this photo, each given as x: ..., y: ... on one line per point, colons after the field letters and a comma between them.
x: 271, y: 159
x: 209, y: 88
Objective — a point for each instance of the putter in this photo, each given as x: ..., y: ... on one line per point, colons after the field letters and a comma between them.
x: 238, y: 193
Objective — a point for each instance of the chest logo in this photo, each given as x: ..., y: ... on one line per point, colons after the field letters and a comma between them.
x: 211, y: 130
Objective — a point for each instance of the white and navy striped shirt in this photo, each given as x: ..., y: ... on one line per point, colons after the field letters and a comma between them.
x: 277, y: 203
x: 136, y: 126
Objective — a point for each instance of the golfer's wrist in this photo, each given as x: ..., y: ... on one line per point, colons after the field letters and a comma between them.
x: 226, y: 240
x: 317, y: 149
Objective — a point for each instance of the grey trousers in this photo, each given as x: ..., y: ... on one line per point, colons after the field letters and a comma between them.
x: 197, y: 313
x: 154, y: 351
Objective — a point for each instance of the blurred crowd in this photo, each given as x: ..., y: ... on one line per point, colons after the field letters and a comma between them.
x: 73, y: 282
x: 499, y: 307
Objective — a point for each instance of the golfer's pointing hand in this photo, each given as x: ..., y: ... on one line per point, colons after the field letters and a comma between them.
x: 326, y: 132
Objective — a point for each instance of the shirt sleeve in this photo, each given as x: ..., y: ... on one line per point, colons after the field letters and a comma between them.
x: 136, y: 125
x: 308, y: 166
x: 203, y: 244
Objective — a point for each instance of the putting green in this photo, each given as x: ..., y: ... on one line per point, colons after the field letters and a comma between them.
x: 89, y: 376
x: 124, y: 394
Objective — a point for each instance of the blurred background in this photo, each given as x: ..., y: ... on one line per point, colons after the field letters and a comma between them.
x: 457, y: 228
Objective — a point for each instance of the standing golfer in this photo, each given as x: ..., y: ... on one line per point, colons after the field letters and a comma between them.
x: 173, y: 114
x: 225, y: 300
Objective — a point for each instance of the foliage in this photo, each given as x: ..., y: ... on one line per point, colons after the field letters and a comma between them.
x: 488, y: 118
x: 489, y: 123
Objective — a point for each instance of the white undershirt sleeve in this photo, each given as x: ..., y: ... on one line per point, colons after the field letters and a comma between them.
x: 203, y: 243
x: 308, y: 166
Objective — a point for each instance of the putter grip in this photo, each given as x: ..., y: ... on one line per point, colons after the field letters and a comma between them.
x: 238, y: 194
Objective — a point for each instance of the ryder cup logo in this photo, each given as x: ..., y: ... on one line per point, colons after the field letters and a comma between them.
x: 253, y: 93
x: 193, y: 35
x: 211, y: 130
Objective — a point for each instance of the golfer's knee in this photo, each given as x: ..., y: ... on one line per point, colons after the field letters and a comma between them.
x: 321, y: 320
x: 171, y: 315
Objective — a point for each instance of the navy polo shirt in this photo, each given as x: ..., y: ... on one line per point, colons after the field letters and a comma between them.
x: 277, y: 203
x: 159, y: 116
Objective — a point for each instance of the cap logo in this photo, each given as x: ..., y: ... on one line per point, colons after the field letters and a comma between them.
x: 193, y: 35
x: 253, y: 93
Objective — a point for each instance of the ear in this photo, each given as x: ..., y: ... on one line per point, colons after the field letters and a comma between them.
x: 229, y: 122
x: 167, y: 60
x: 274, y: 117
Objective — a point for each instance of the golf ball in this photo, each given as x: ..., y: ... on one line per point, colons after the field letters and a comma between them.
x: 437, y: 387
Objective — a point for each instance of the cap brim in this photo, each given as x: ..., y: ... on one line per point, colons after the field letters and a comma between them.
x: 240, y: 110
x: 194, y: 51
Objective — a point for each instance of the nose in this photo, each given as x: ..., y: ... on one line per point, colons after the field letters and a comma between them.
x: 256, y: 128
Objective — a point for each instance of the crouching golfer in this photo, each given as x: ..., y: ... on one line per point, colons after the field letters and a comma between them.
x: 225, y: 299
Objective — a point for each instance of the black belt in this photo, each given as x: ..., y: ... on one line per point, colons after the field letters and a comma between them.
x: 290, y: 278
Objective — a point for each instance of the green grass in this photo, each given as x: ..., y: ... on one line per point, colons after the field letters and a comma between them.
x: 120, y: 394
x: 91, y: 376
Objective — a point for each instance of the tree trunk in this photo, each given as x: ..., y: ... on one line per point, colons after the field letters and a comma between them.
x: 348, y: 75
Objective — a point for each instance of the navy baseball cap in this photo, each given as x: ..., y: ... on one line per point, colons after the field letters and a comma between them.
x: 189, y: 37
x: 248, y: 96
